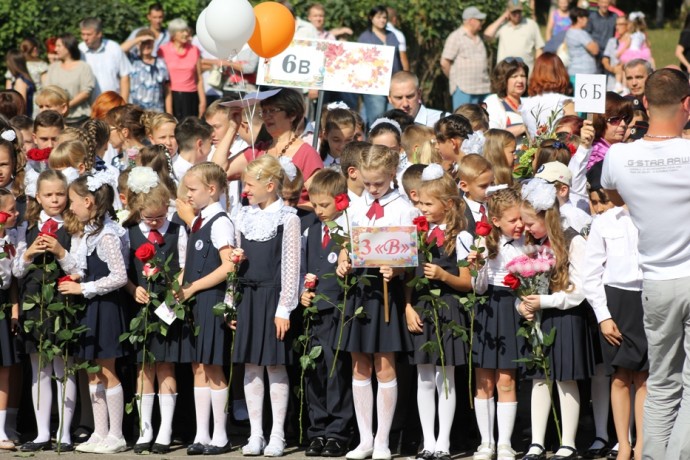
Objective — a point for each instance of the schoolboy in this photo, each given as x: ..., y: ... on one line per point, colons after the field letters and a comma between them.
x: 349, y: 165
x: 411, y: 180
x: 48, y: 125
x: 193, y: 143
x: 559, y: 175
x: 476, y: 176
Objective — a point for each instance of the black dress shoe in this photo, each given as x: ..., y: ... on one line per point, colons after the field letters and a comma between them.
x: 215, y: 450
x: 36, y: 446
x: 63, y: 447
x: 425, y: 455
x: 315, y: 447
x: 571, y: 456
x: 195, y: 449
x: 540, y: 456
x: 142, y: 447
x: 442, y: 456
x: 160, y: 448
x: 597, y: 453
x: 333, y: 448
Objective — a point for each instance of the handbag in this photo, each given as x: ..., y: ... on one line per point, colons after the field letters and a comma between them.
x: 216, y: 78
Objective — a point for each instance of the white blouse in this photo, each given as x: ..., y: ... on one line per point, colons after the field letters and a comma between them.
x: 493, y: 272
x: 19, y: 265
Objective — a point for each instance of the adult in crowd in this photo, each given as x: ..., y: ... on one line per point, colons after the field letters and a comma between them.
x: 149, y: 77
x: 548, y: 89
x: 377, y: 34
x: 609, y: 58
x: 316, y: 15
x: 36, y: 66
x: 155, y: 17
x: 404, y: 94
x: 683, y: 46
x: 636, y: 73
x: 108, y: 62
x: 465, y: 62
x: 508, y: 84
x: 74, y: 76
x: 517, y: 35
x: 610, y: 126
x: 20, y: 79
x: 582, y: 49
x: 184, y: 65
x: 392, y: 26
x: 632, y: 179
x: 601, y: 26
x: 11, y: 104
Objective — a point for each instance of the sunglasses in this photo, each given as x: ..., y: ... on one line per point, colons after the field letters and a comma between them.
x: 615, y: 121
x: 511, y: 60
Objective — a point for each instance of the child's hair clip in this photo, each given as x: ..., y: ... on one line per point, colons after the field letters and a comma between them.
x: 142, y: 179
x: 289, y: 167
x: 540, y: 194
x: 490, y: 190
x: 432, y: 172
x: 337, y: 105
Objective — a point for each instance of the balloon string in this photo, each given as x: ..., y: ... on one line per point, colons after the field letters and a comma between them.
x: 251, y: 110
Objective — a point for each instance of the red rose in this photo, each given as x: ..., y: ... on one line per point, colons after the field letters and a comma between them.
x: 4, y: 217
x: 50, y: 234
x: 421, y: 223
x: 572, y: 149
x: 145, y: 252
x: 342, y: 202
x: 149, y: 270
x: 39, y: 154
x: 237, y: 255
x: 310, y: 281
x: 512, y: 281
x: 482, y: 229
x: 64, y: 279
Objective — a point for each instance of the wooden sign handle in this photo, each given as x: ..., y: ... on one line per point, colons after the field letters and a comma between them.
x: 386, y: 307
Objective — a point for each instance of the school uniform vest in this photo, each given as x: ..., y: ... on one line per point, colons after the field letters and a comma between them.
x: 471, y: 223
x: 202, y: 259
x: 448, y: 262
x: 319, y: 265
x: 33, y: 281
x: 168, y: 248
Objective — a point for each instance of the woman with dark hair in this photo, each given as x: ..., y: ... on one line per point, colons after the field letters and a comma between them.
x: 582, y: 49
x: 549, y: 89
x: 683, y: 46
x: 610, y: 126
x: 20, y: 80
x: 377, y: 34
x: 127, y: 134
x: 11, y: 104
x: 73, y: 75
x: 37, y: 66
x: 508, y: 84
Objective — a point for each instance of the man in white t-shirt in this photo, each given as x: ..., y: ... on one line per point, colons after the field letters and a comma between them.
x: 651, y: 176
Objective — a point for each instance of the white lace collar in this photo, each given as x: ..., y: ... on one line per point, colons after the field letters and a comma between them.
x: 89, y: 242
x: 258, y: 224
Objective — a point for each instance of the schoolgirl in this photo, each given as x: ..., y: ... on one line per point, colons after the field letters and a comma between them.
x: 338, y: 130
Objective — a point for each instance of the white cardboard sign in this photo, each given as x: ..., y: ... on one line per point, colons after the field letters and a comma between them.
x: 590, y: 93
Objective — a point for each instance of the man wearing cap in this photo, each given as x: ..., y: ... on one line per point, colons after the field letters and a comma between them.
x: 517, y: 35
x: 465, y: 62
x: 558, y: 174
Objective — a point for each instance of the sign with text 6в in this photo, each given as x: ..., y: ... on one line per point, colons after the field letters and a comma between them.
x: 384, y: 246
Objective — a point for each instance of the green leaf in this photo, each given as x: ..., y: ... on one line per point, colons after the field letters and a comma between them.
x: 550, y: 337
x: 64, y: 335
x: 197, y: 329
x: 48, y: 293
x: 26, y: 306
x: 315, y: 352
x: 305, y: 362
x: 435, y: 292
x: 135, y: 323
x: 359, y: 312
x: 124, y: 336
x: 218, y: 309
x: 56, y: 307
x: 129, y: 408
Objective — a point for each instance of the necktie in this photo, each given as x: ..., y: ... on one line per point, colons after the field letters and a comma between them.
x: 482, y: 211
x: 375, y: 211
x: 155, y: 237
x: 9, y: 249
x: 436, y: 235
x: 197, y: 224
x: 49, y: 226
x: 326, y: 237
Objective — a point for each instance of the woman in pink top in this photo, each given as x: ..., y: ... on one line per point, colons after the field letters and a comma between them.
x: 184, y: 65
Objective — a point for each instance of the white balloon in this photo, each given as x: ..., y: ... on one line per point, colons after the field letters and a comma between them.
x: 204, y: 38
x: 230, y: 23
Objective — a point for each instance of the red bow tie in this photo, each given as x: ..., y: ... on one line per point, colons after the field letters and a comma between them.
x: 375, y: 211
x: 437, y: 235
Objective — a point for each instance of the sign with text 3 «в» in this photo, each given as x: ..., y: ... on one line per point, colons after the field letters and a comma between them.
x: 384, y: 246
x: 331, y: 66
x: 590, y: 93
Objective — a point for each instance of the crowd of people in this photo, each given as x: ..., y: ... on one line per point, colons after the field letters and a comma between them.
x: 162, y: 225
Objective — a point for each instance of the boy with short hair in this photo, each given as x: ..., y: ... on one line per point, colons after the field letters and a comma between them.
x: 48, y: 125
x: 349, y: 165
x: 476, y: 175
x: 193, y: 144
x: 411, y: 180
x: 329, y: 398
x: 559, y: 175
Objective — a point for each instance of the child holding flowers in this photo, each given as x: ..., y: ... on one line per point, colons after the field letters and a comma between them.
x: 43, y: 238
x: 571, y: 354
x: 496, y: 344
x: 98, y: 257
x: 269, y: 233
x: 155, y: 242
x: 446, y: 241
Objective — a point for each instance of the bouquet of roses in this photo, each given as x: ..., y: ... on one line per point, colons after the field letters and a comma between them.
x: 530, y: 273
x: 38, y: 158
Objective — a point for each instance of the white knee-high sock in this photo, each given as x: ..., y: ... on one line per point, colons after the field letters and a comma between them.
x: 505, y: 417
x: 485, y: 411
x: 446, y: 407
x: 219, y: 399
x: 386, y: 400
x: 254, y: 396
x: 166, y: 402
x: 601, y: 399
x: 42, y: 407
x: 3, y: 420
x: 100, y: 410
x: 426, y: 403
x: 363, y: 398
x: 279, y: 388
x: 202, y: 408
x: 569, y: 395
x: 541, y: 404
x: 115, y: 399
x: 70, y: 398
x: 145, y: 413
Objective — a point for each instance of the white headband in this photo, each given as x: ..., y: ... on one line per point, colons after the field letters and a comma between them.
x: 378, y: 121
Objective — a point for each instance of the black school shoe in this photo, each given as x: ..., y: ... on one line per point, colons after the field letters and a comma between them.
x: 425, y: 455
x: 142, y: 447
x: 216, y: 450
x: 36, y: 446
x: 333, y: 448
x: 160, y: 448
x: 598, y: 453
x: 195, y: 449
x: 315, y: 447
x: 571, y: 456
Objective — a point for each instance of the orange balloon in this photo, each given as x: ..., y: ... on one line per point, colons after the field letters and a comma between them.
x: 274, y: 30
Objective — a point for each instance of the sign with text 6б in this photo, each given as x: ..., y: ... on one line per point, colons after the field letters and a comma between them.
x: 384, y: 246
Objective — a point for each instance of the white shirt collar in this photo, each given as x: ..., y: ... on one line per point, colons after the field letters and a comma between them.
x: 211, y: 210
x: 392, y: 195
x: 473, y: 205
x: 43, y: 218
x: 145, y: 229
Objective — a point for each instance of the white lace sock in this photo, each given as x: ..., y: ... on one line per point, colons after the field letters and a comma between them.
x: 541, y: 405
x: 569, y: 395
x: 446, y: 407
x: 116, y: 410
x: 386, y: 399
x: 601, y: 399
x: 279, y: 389
x: 202, y: 406
x: 426, y: 403
x: 11, y: 422
x: 3, y: 420
x: 100, y: 410
x: 146, y: 413
x: 254, y: 396
x: 166, y: 402
x: 505, y: 417
x: 42, y: 407
x: 363, y: 398
x: 219, y: 399
x: 485, y: 411
x: 70, y: 398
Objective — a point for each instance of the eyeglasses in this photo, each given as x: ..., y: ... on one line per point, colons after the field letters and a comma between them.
x: 269, y: 112
x: 150, y: 220
x: 511, y: 60
x: 615, y: 121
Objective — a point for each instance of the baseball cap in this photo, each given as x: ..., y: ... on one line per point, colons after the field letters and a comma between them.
x: 555, y: 171
x: 473, y: 13
x: 515, y: 5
